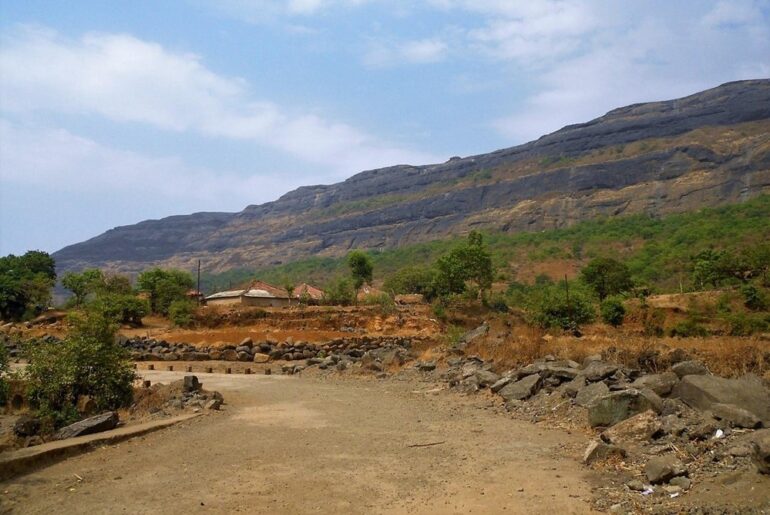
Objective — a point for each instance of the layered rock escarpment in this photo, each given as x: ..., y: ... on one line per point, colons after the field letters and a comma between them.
x: 707, y: 149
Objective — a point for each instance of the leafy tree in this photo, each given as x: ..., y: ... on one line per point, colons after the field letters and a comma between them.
x: 289, y: 285
x: 753, y: 298
x: 121, y: 308
x: 709, y: 268
x: 89, y: 362
x: 470, y: 261
x: 607, y: 276
x: 412, y: 279
x: 25, y: 284
x: 758, y: 258
x: 164, y: 287
x: 339, y: 292
x: 116, y: 283
x: 551, y: 307
x: 82, y: 284
x: 361, y: 268
x: 612, y: 311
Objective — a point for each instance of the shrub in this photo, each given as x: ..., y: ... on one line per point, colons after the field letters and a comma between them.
x: 688, y: 328
x: 753, y: 298
x: 439, y: 310
x: 551, y: 308
x: 747, y: 324
x: 652, y: 321
x: 339, y: 293
x: 181, y: 312
x: 89, y: 362
x: 4, y: 368
x: 164, y: 287
x: 453, y: 335
x: 385, y: 302
x: 412, y: 280
x: 607, y: 276
x: 497, y: 303
x: 612, y: 311
x: 121, y: 308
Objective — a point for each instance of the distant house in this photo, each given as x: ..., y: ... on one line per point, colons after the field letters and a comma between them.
x: 262, y: 294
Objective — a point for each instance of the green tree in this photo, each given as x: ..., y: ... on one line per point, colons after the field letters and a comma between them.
x: 470, y: 261
x: 339, y: 292
x: 88, y: 362
x: 551, y: 306
x: 289, y: 285
x: 612, y: 311
x: 164, y: 287
x: 607, y: 276
x: 82, y: 284
x: 25, y: 284
x: 412, y: 279
x: 361, y: 268
x: 709, y: 268
x: 121, y: 308
x: 181, y: 312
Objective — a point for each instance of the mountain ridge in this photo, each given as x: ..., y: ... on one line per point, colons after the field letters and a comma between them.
x: 705, y: 149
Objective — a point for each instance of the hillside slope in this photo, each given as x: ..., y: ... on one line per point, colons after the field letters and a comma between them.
x: 706, y: 149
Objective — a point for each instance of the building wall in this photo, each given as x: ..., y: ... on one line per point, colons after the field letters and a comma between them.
x: 224, y: 301
x: 264, y: 302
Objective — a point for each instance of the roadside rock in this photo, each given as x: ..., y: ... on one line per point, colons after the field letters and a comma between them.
x: 598, y: 451
x: 636, y: 429
x: 663, y: 468
x: 26, y: 425
x: 598, y: 370
x: 500, y: 384
x: 486, y: 378
x: 704, y: 391
x: 617, y: 406
x: 97, y: 424
x: 761, y: 451
x: 689, y: 368
x: 661, y: 384
x: 191, y: 384
x: 735, y: 416
x: 521, y: 389
x: 590, y: 394
x: 261, y: 358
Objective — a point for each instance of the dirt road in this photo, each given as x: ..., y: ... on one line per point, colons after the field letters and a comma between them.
x: 304, y: 445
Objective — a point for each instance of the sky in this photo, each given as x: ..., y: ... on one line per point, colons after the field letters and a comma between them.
x: 122, y: 111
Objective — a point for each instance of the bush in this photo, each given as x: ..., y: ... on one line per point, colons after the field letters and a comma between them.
x: 497, y: 303
x: 181, y: 312
x: 743, y: 324
x: 612, y: 311
x: 753, y: 298
x: 339, y: 293
x: 412, y: 280
x: 652, y: 321
x: 688, y: 328
x: 89, y: 362
x: 549, y: 308
x: 4, y: 368
x: 385, y: 302
x: 164, y: 287
x: 439, y: 310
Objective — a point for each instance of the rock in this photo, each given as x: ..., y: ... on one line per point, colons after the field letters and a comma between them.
x: 561, y: 372
x: 229, y: 355
x: 475, y: 334
x: 503, y: 381
x: 682, y: 482
x: 636, y: 486
x: 690, y: 368
x: 636, y: 429
x: 486, y: 378
x: 572, y: 388
x: 521, y: 389
x: 213, y: 404
x: 761, y: 450
x: 741, y: 451
x: 426, y: 366
x: 86, y: 405
x: 617, y: 406
x: 735, y: 416
x: 589, y: 394
x: 97, y: 424
x: 190, y: 384
x: 663, y: 468
x: 247, y: 342
x: 261, y: 358
x: 26, y: 425
x: 599, y: 451
x: 748, y: 393
x: 244, y: 356
x: 598, y: 370
x: 661, y: 384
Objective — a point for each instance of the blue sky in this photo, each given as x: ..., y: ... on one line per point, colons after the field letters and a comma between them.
x: 116, y: 112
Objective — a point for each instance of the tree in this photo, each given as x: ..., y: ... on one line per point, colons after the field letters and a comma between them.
x: 25, y: 284
x: 607, y: 276
x: 469, y: 261
x: 361, y: 268
x: 711, y: 268
x: 289, y: 286
x: 82, y: 284
x: 181, y: 312
x: 339, y: 292
x: 412, y: 279
x: 164, y: 287
x: 612, y: 311
x: 550, y: 306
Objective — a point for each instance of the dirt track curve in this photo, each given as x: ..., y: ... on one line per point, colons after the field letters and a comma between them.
x: 306, y: 445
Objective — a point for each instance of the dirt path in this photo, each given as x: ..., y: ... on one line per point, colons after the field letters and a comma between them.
x: 302, y: 445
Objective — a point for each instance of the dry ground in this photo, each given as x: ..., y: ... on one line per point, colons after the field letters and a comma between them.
x: 305, y: 445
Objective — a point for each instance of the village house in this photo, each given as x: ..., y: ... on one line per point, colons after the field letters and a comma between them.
x: 262, y: 294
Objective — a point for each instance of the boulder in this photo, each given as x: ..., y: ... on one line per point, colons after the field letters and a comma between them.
x: 247, y: 342
x: 213, y: 404
x: 661, y: 469
x: 598, y: 370
x: 190, y: 384
x: 26, y: 425
x: 500, y: 384
x: 574, y: 387
x: 475, y: 334
x: 261, y: 358
x: 486, y: 378
x: 661, y: 384
x: 761, y: 450
x: 229, y: 355
x: 735, y: 416
x: 589, y: 394
x: 561, y: 372
x: 426, y: 366
x: 521, y: 389
x: 86, y: 405
x: 704, y: 391
x: 690, y: 368
x: 97, y: 424
x: 636, y: 429
x: 599, y: 451
x: 617, y: 406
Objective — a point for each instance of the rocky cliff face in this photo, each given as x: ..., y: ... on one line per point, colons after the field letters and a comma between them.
x: 662, y: 157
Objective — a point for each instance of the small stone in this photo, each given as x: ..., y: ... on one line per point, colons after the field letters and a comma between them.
x: 735, y: 416
x: 761, y: 447
x: 213, y: 404
x: 589, y: 394
x: 663, y: 468
x: 689, y: 368
x: 598, y: 451
x: 639, y: 428
x: 682, y: 482
x: 636, y: 486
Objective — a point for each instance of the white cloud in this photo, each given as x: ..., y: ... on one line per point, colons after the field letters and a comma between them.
x: 422, y: 51
x: 259, y: 11
x: 126, y: 79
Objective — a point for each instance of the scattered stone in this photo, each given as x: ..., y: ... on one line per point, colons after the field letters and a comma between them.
x: 617, y: 406
x: 213, y: 404
x: 426, y: 366
x: 636, y: 485
x: 502, y: 382
x: 521, y: 389
x: 590, y: 394
x: 636, y: 429
x: 486, y: 378
x: 735, y: 416
x: 761, y: 447
x: 704, y: 391
x: 261, y: 358
x: 661, y: 384
x: 598, y: 370
x: 690, y: 368
x: 97, y: 424
x: 191, y: 384
x: 682, y: 482
x: 599, y: 451
x: 572, y: 388
x: 26, y: 425
x: 663, y: 468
